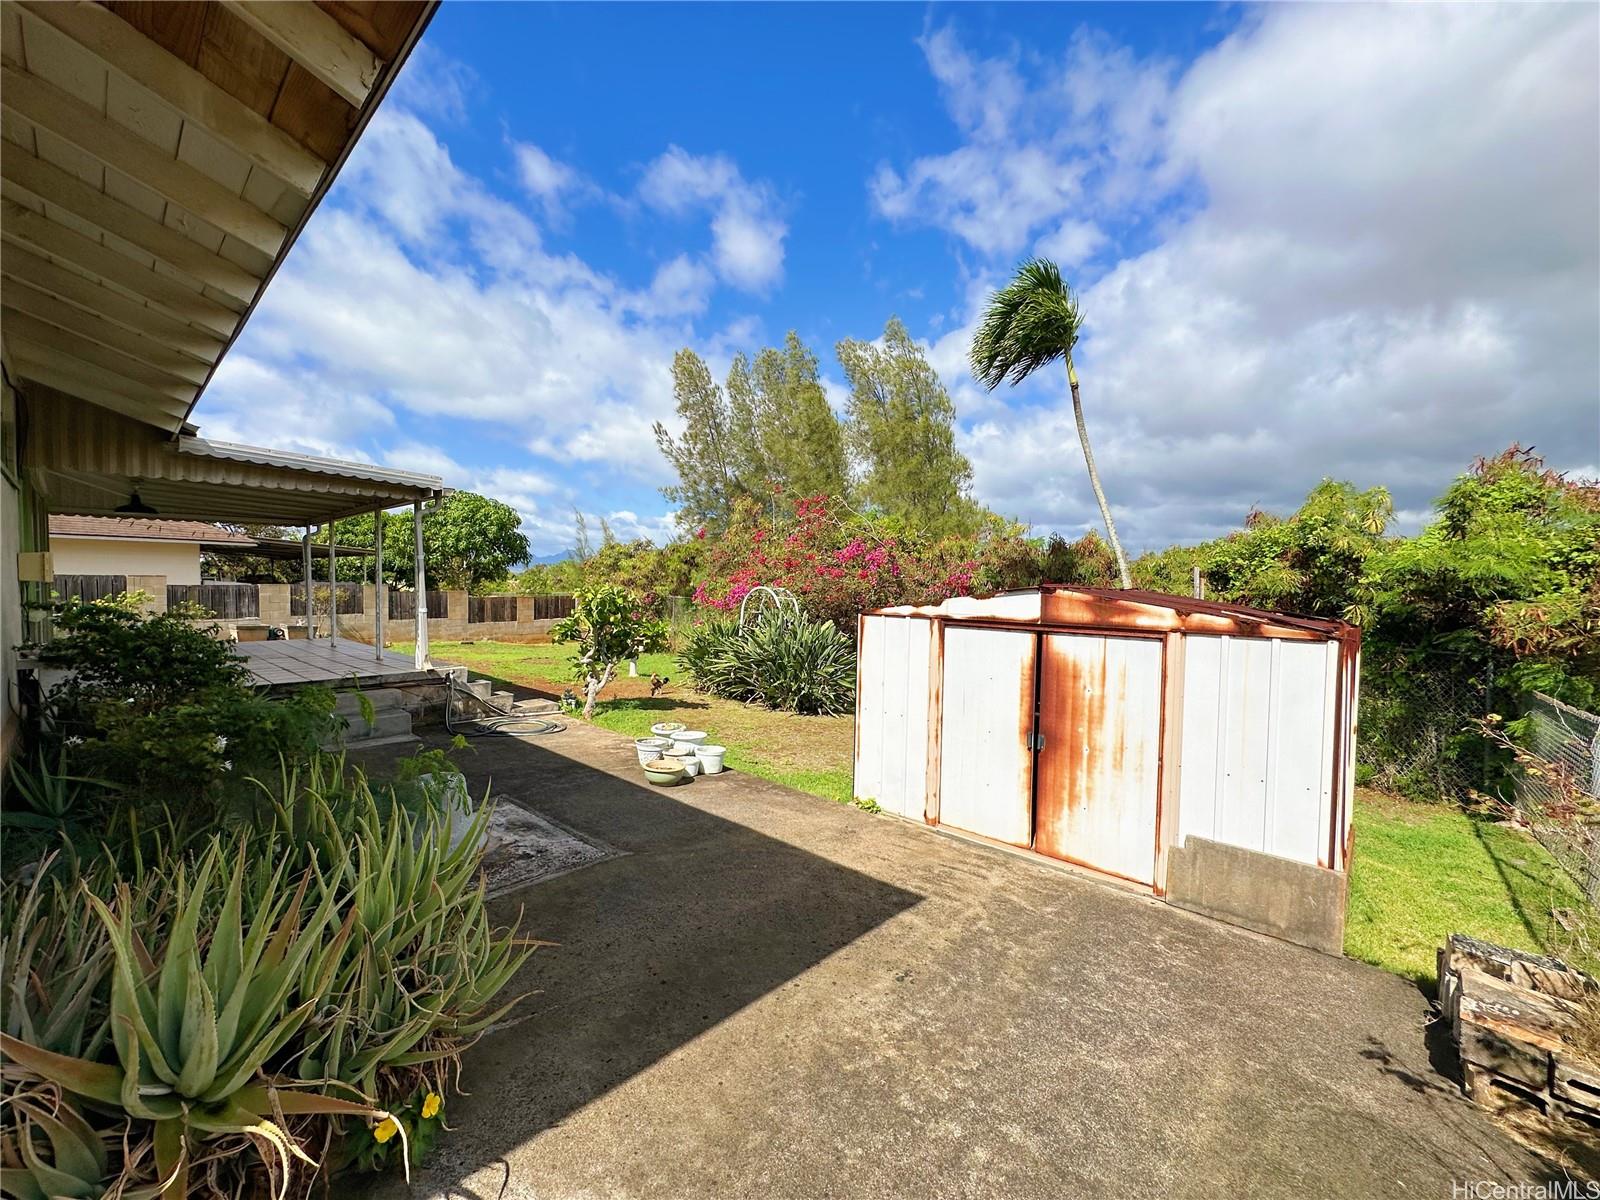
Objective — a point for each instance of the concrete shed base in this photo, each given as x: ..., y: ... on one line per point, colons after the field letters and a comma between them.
x: 1289, y: 900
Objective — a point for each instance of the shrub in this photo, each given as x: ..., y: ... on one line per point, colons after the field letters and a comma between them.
x: 153, y: 707
x: 785, y: 661
x: 288, y: 991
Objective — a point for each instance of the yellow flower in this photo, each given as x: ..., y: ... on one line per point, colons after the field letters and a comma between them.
x: 431, y: 1104
x: 386, y: 1129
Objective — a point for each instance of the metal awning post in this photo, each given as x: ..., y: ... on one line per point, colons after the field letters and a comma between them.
x: 377, y: 583
x: 305, y: 581
x: 333, y: 590
x: 421, y: 584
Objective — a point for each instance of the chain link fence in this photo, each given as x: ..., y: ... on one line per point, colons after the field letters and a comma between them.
x: 1558, y: 786
x: 1418, y: 727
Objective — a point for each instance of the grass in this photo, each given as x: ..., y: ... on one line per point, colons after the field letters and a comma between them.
x: 1421, y: 871
x: 1424, y: 871
x: 810, y: 754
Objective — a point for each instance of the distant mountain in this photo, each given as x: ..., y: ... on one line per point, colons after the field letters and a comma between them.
x: 545, y: 560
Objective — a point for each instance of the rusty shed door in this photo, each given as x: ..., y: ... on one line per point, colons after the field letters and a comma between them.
x: 985, y: 763
x: 1100, y: 717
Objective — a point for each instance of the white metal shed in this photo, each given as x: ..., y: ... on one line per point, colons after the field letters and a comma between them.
x: 1200, y: 750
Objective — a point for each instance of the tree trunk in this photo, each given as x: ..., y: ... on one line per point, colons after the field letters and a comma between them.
x: 1094, y: 480
x: 593, y: 686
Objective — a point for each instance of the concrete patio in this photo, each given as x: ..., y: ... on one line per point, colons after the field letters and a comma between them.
x: 770, y: 995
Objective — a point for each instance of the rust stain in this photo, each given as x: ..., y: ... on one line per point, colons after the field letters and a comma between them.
x: 1072, y: 706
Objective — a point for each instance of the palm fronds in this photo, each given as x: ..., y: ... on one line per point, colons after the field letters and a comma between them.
x: 1030, y: 323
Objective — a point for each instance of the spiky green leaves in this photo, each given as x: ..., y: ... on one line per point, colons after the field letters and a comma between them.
x: 1030, y: 323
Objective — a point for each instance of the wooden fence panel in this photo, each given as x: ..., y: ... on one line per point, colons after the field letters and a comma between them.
x: 403, y: 604
x: 491, y: 608
x: 551, y: 608
x: 350, y: 599
x: 225, y: 601
x: 89, y: 587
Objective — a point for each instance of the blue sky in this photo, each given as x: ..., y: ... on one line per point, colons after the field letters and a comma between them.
x: 1296, y: 256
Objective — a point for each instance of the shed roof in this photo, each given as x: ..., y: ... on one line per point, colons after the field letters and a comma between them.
x: 1131, y: 610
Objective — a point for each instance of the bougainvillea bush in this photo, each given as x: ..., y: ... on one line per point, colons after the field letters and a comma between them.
x: 839, y: 562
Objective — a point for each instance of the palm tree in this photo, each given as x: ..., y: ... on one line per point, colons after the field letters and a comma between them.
x: 1030, y: 323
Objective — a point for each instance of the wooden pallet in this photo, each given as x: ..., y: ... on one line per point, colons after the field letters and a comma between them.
x: 1509, y: 1013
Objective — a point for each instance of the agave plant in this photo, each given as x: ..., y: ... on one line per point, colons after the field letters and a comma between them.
x: 191, y: 1031
x: 784, y: 661
x: 266, y: 992
x: 50, y: 1150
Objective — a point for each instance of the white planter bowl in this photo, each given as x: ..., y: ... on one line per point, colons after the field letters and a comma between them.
x: 688, y: 739
x: 667, y: 728
x: 680, y: 754
x: 710, y: 758
x: 649, y: 748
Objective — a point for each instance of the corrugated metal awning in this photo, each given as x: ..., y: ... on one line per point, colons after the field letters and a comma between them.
x: 88, y: 461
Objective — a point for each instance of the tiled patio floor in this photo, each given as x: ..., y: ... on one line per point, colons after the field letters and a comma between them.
x: 286, y: 663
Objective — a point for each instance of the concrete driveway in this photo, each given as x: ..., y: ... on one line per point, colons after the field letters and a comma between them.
x: 770, y: 995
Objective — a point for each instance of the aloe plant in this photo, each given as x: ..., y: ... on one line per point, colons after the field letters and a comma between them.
x: 279, y: 981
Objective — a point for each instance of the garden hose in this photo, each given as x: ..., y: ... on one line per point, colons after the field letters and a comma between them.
x: 500, y: 721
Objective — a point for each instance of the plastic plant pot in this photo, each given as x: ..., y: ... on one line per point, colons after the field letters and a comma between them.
x: 710, y: 758
x: 667, y: 728
x: 686, y: 756
x: 690, y: 738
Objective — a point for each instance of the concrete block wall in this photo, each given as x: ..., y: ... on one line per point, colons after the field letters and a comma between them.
x: 275, y: 601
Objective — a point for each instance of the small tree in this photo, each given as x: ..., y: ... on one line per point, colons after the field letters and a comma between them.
x: 610, y: 626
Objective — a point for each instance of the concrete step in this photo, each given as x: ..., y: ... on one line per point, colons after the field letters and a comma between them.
x: 348, y: 704
x: 502, y: 700
x: 481, y: 688
x: 388, y: 722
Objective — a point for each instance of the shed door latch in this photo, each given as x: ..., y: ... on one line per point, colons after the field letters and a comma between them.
x: 1036, y: 741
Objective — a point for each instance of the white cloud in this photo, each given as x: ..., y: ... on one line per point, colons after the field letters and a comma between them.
x: 747, y: 233
x: 1071, y: 243
x: 423, y: 291
x: 554, y: 184
x: 1394, y: 268
x: 1036, y: 160
x: 260, y: 403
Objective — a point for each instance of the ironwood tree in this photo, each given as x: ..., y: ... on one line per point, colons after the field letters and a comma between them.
x: 900, y: 425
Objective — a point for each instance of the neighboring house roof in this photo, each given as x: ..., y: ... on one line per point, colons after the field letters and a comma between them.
x: 207, y: 536
x: 145, y: 530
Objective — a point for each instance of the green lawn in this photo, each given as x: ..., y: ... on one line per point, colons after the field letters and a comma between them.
x: 634, y: 718
x: 1423, y: 871
x: 811, y: 754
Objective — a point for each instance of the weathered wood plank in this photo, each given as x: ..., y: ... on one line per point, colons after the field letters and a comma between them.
x: 52, y: 184
x: 21, y: 264
x: 94, y: 133
x: 126, y: 50
x: 316, y: 41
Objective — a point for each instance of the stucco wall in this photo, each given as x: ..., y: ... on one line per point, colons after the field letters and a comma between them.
x: 178, y: 561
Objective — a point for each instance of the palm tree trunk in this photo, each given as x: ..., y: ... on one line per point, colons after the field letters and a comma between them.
x: 1094, y: 480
